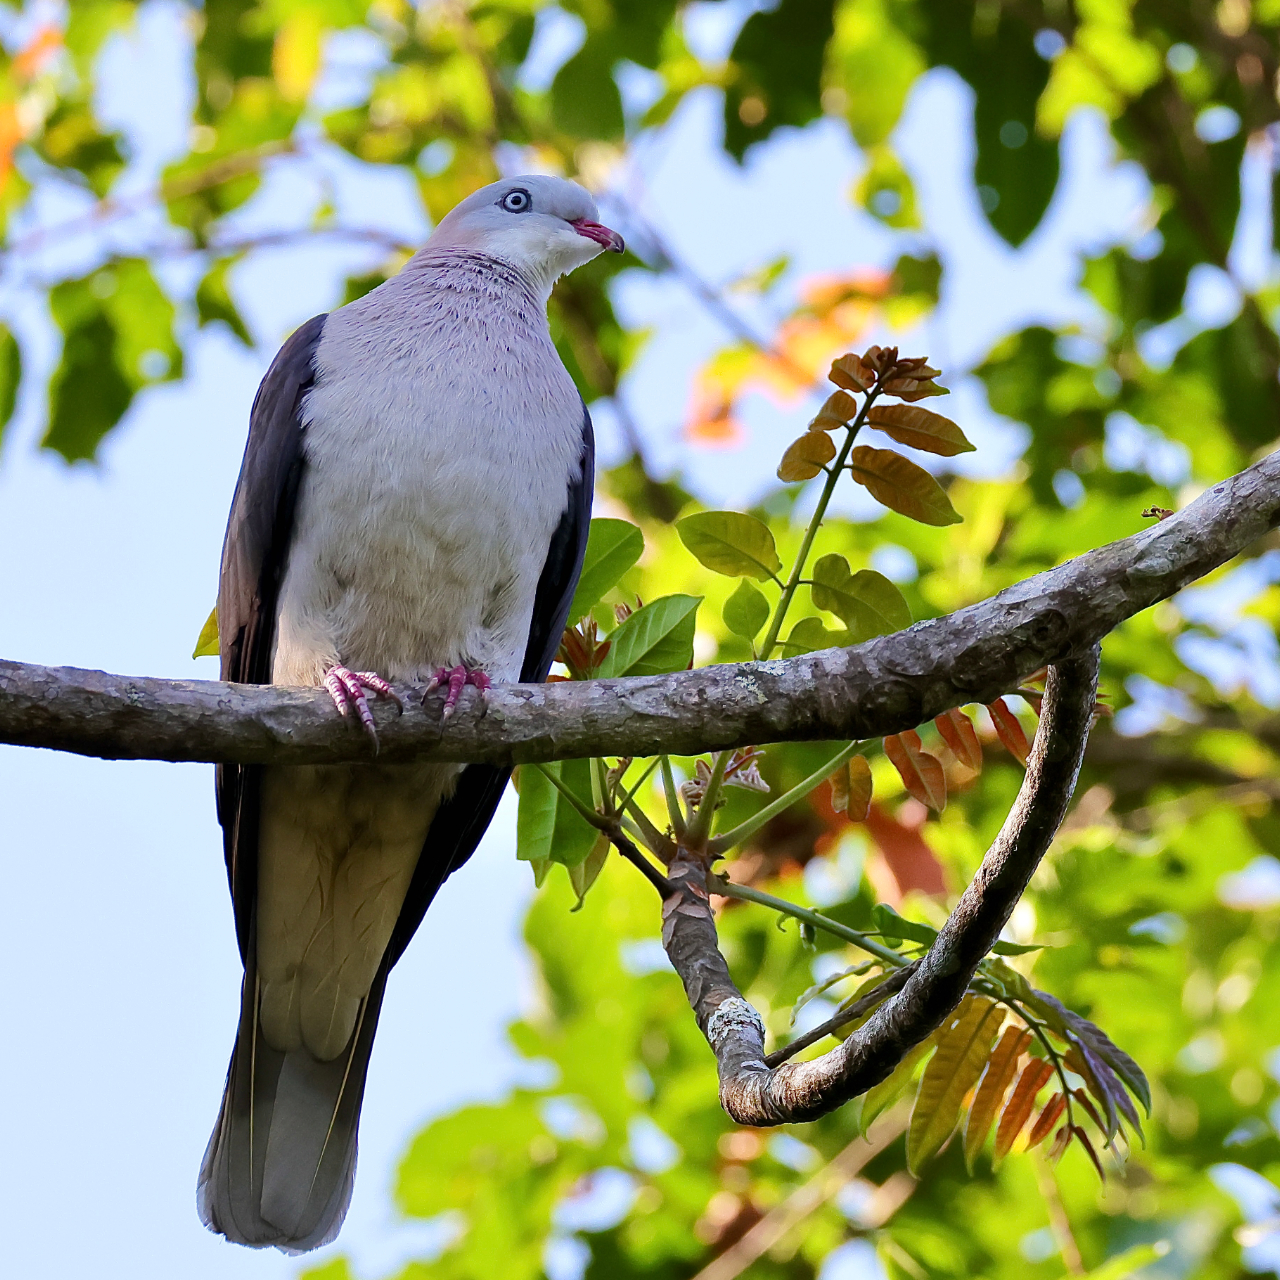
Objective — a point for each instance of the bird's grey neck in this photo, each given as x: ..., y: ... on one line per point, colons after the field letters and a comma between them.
x: 468, y: 271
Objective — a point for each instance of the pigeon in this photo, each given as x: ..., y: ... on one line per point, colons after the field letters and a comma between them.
x: 413, y: 506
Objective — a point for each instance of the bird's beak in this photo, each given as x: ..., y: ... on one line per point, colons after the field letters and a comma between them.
x: 601, y: 234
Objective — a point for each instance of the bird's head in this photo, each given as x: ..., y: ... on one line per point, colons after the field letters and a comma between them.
x: 543, y: 226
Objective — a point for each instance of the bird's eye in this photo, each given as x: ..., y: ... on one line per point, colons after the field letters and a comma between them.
x: 516, y: 201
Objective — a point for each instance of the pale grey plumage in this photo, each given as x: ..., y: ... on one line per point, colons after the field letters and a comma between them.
x: 439, y: 519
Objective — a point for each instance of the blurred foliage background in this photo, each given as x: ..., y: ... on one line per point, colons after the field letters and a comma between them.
x: 1160, y: 902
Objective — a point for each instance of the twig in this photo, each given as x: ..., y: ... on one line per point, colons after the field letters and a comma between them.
x: 805, y: 1199
x: 753, y: 1093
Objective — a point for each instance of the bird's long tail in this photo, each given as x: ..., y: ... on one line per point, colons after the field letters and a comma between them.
x: 281, y: 1163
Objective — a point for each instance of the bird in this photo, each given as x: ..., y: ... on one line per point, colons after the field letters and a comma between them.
x: 413, y: 506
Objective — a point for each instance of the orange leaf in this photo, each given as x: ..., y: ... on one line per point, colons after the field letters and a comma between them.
x: 1009, y: 729
x: 807, y: 456
x: 1060, y: 1140
x: 1048, y: 1118
x: 851, y: 373
x: 908, y: 858
x: 919, y: 429
x: 902, y: 486
x: 959, y: 734
x: 921, y: 773
x: 837, y: 412
x: 986, y: 1102
x: 1016, y: 1114
x: 859, y: 803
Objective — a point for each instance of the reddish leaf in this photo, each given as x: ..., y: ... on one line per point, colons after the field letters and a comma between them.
x: 852, y: 373
x: 1009, y: 730
x: 1083, y: 1139
x: 807, y: 456
x: 921, y: 773
x: 910, y: 860
x: 836, y: 413
x: 1060, y: 1140
x: 919, y: 429
x: 986, y: 1102
x: 1043, y: 1127
x: 959, y: 734
x: 1018, y: 1111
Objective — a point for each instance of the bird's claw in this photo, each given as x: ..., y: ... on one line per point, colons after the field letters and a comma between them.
x: 455, y: 678
x: 346, y: 688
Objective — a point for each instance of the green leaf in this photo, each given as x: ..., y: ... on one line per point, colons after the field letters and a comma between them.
x: 585, y: 874
x: 745, y: 611
x: 732, y: 543
x: 809, y: 635
x: 1017, y: 948
x: 866, y: 601
x: 613, y: 546
x: 654, y: 640
x: 118, y: 337
x: 547, y: 825
x: 10, y: 375
x: 894, y: 927
x: 214, y: 302
x: 207, y: 644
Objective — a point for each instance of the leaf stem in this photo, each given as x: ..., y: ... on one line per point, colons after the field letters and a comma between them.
x: 725, y: 841
x: 815, y: 522
x: 700, y: 826
x: 672, y: 796
x: 588, y: 815
x: 727, y: 889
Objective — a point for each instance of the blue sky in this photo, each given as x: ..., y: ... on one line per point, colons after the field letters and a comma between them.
x: 121, y: 963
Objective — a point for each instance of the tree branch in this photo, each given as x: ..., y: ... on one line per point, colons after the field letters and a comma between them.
x: 752, y: 1093
x: 884, y: 686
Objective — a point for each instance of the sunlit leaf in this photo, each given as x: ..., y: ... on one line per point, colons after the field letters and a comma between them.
x: 207, y: 643
x: 921, y: 773
x: 959, y: 734
x: 806, y: 456
x: 1001, y: 1067
x: 839, y: 409
x: 1009, y: 730
x: 547, y: 825
x: 913, y: 388
x: 585, y: 873
x: 1035, y: 1075
x: 851, y: 789
x: 1043, y: 1126
x: 919, y: 429
x: 732, y: 543
x: 882, y: 1096
x: 809, y: 636
x: 902, y: 486
x: 895, y: 927
x: 653, y: 640
x: 964, y: 1045
x: 613, y: 546
x: 745, y: 611
x: 866, y: 601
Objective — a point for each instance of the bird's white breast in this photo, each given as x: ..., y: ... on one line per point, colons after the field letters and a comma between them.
x: 439, y: 440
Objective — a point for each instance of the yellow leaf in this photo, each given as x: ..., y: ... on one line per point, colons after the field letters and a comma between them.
x: 296, y: 55
x: 805, y: 457
x: 881, y: 1097
x: 857, y: 799
x: 986, y: 1102
x: 964, y: 1045
x: 837, y: 412
x: 902, y: 486
x: 207, y: 644
x: 919, y: 429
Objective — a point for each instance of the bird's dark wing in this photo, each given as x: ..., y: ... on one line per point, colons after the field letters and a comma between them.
x: 259, y: 531
x: 463, y: 818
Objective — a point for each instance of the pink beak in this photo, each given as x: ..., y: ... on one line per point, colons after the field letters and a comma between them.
x: 601, y: 234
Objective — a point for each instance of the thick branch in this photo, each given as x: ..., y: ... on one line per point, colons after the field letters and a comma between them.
x: 755, y: 1095
x: 884, y: 686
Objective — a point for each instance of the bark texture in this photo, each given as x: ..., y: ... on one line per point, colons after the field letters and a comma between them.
x: 754, y: 1094
x: 883, y: 686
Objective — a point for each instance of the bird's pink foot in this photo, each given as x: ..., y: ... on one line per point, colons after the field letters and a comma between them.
x: 346, y: 688
x: 455, y: 678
